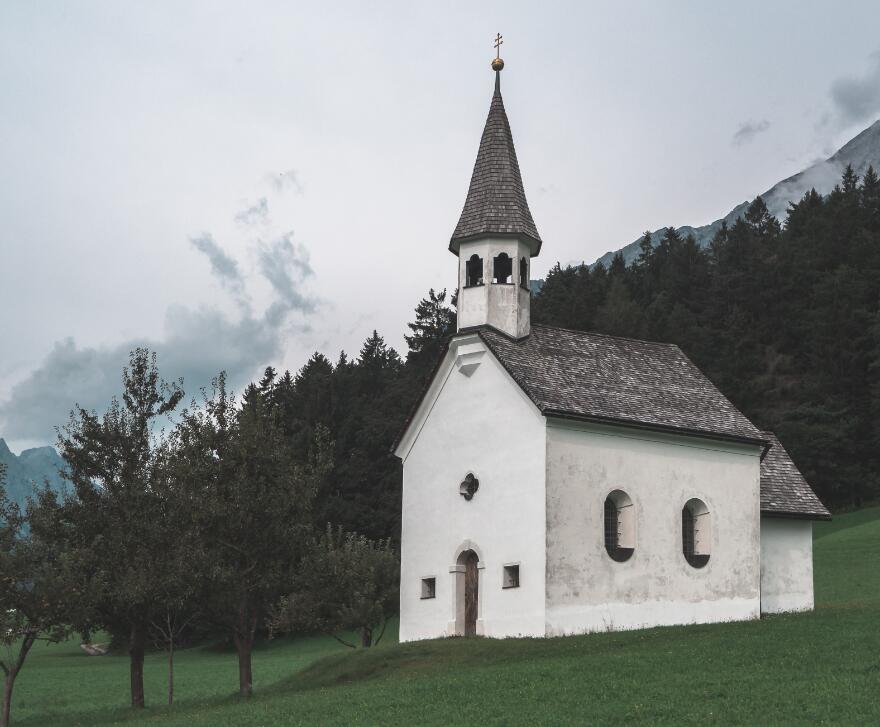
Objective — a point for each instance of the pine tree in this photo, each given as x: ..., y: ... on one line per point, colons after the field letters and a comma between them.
x: 646, y: 248
x: 435, y: 322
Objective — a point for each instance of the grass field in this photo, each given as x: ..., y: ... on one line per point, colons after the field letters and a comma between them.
x: 820, y: 667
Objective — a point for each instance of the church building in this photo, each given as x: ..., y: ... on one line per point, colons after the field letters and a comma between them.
x: 560, y: 482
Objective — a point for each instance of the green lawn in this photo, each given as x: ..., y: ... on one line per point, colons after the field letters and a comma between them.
x: 820, y: 667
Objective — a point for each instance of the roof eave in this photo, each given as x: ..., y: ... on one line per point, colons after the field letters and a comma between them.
x: 787, y: 515
x: 426, y: 386
x: 650, y: 426
x: 534, y: 243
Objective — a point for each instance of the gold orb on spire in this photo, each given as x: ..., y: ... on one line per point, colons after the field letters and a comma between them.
x: 497, y: 63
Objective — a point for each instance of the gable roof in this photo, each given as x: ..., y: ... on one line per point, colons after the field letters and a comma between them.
x: 594, y: 377
x: 624, y: 381
x: 496, y: 202
x: 784, y: 491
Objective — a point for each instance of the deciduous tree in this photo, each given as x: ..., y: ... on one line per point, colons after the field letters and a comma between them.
x: 254, y: 518
x: 347, y: 582
x: 39, y: 592
x: 114, y: 468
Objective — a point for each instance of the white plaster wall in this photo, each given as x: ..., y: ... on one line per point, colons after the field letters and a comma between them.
x: 587, y: 590
x: 481, y: 422
x: 504, y: 306
x: 786, y: 565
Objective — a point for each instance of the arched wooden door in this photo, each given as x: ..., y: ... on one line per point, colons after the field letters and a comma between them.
x: 471, y: 593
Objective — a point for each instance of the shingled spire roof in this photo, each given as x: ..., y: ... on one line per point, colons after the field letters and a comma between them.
x: 496, y: 203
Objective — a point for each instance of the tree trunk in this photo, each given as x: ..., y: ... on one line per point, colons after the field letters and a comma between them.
x: 244, y: 645
x: 171, y: 672
x: 11, y: 674
x: 136, y: 653
x: 366, y: 637
x: 7, y: 697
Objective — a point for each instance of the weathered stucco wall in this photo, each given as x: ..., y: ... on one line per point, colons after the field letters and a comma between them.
x: 587, y: 590
x: 786, y: 565
x: 479, y: 422
x: 504, y: 306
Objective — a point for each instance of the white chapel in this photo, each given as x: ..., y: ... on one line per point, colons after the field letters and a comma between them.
x: 560, y: 482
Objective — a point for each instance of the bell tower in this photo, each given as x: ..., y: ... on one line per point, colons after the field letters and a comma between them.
x: 496, y: 237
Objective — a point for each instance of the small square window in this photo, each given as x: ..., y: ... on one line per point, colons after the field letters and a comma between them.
x: 511, y: 576
x: 429, y: 587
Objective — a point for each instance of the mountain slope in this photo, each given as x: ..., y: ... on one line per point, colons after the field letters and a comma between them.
x: 30, y: 469
x: 860, y: 152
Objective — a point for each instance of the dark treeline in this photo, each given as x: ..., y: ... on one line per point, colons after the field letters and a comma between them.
x: 784, y: 319
x: 363, y: 404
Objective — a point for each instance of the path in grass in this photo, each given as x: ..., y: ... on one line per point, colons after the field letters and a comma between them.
x: 801, y: 668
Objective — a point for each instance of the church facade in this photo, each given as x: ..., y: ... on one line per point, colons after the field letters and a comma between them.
x: 559, y: 482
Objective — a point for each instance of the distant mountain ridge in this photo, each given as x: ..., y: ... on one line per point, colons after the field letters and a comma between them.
x: 861, y: 152
x: 32, y: 468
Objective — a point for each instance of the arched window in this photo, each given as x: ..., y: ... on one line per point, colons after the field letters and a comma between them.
x: 502, y: 269
x: 523, y: 273
x: 696, y: 532
x: 620, y: 526
x: 473, y: 271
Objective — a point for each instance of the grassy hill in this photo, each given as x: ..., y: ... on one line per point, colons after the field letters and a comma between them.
x: 820, y: 667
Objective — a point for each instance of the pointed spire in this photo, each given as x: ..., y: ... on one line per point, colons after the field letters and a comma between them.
x: 496, y: 202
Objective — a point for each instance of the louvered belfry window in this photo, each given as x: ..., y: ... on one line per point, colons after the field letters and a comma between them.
x: 687, y: 533
x: 619, y: 526
x: 695, y: 533
x: 612, y: 533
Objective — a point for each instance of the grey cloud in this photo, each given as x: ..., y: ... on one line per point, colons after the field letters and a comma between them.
x: 282, y: 181
x: 257, y: 213
x: 748, y: 130
x: 196, y: 345
x: 286, y: 267
x: 855, y: 98
x: 224, y: 267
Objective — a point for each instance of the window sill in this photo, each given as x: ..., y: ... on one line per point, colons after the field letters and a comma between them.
x: 505, y: 588
x: 427, y: 598
x: 477, y: 285
x: 496, y: 283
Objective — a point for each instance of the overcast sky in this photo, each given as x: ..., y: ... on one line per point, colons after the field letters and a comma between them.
x: 240, y: 184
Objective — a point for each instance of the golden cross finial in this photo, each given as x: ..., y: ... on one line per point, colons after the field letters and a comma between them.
x: 498, y: 64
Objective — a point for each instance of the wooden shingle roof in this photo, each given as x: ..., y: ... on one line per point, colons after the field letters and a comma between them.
x: 784, y: 491
x: 591, y: 376
x: 496, y: 202
x: 610, y: 380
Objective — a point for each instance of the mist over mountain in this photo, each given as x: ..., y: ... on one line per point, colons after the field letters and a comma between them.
x: 32, y: 468
x: 860, y: 152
